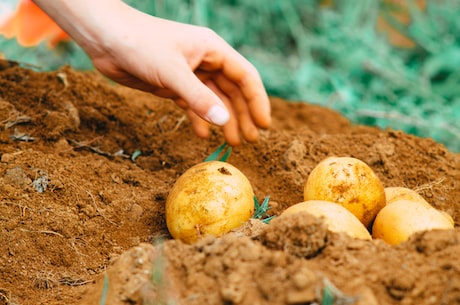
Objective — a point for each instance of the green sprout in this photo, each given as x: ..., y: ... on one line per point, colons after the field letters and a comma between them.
x: 135, y: 155
x: 105, y: 289
x: 328, y: 296
x: 225, y: 148
x: 262, y: 209
x: 333, y: 296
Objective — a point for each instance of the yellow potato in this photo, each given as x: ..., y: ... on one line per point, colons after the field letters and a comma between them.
x: 349, y: 182
x: 336, y: 217
x: 209, y: 198
x: 448, y: 216
x: 395, y: 193
x: 397, y: 221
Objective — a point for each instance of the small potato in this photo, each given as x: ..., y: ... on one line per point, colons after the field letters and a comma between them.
x: 209, y: 198
x: 349, y: 182
x: 397, y: 221
x: 395, y: 193
x: 336, y: 217
x: 448, y: 216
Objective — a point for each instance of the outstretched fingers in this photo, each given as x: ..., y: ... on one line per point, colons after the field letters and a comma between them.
x: 237, y: 102
x: 243, y: 75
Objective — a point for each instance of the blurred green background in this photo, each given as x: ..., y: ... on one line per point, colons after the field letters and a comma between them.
x: 330, y: 55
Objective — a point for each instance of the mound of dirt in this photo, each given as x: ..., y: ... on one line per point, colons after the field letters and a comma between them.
x: 86, y: 167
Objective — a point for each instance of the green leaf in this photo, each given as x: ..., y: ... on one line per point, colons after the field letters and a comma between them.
x: 260, y: 210
x: 215, y: 155
x: 135, y: 155
x: 328, y: 296
x: 105, y: 290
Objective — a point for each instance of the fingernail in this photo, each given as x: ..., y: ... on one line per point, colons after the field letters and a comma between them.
x: 218, y: 115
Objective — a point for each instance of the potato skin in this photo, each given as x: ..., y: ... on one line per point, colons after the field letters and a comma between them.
x: 394, y: 193
x: 396, y: 222
x: 209, y: 198
x: 336, y: 217
x: 349, y: 182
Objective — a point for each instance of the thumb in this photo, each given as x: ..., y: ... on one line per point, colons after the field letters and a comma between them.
x: 199, y: 98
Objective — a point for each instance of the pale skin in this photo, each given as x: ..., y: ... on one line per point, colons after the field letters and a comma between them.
x: 192, y: 65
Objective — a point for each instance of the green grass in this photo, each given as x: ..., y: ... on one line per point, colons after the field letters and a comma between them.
x: 333, y: 56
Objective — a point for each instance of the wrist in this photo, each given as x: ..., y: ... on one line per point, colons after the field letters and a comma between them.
x: 90, y: 23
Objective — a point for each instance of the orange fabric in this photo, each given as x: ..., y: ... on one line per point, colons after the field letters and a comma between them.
x: 402, y: 15
x: 396, y: 38
x: 31, y: 26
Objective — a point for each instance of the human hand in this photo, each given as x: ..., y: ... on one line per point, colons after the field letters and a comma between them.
x: 196, y: 68
x: 192, y: 65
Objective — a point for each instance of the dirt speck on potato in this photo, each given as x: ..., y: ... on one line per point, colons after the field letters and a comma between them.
x: 224, y: 171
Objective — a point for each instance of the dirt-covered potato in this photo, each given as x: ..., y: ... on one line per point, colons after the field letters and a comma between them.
x: 336, y: 217
x: 349, y: 182
x: 397, y: 221
x: 210, y: 198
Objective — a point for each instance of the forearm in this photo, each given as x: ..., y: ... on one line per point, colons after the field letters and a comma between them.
x: 86, y: 21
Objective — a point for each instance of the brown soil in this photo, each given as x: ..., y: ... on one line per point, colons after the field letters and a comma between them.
x: 82, y: 223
